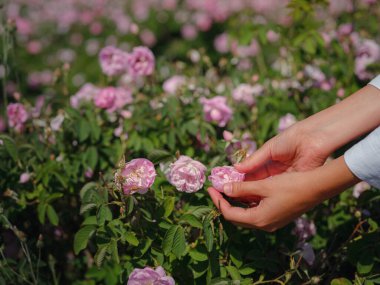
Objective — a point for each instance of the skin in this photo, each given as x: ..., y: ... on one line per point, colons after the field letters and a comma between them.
x: 289, y: 173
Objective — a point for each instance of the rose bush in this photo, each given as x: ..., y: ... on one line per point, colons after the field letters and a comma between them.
x: 116, y: 116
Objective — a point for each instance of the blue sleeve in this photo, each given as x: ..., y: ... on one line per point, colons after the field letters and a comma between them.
x: 363, y: 159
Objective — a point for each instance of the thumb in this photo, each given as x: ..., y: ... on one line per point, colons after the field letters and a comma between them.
x: 255, y: 161
x: 252, y: 189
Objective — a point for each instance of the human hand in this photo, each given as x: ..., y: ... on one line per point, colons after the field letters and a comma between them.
x: 283, y: 197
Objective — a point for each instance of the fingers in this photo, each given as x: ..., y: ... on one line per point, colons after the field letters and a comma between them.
x: 246, y: 189
x: 238, y: 215
x: 255, y: 161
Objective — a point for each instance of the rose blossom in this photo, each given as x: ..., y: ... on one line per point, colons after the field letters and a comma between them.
x: 138, y: 175
x: 141, y: 61
x: 85, y: 94
x: 123, y: 97
x: 149, y: 276
x: 113, y: 61
x: 187, y: 174
x: 286, y: 121
x: 17, y: 116
x: 304, y: 229
x: 105, y: 98
x: 216, y: 110
x: 172, y: 84
x: 224, y: 174
x: 246, y: 93
x: 359, y: 188
x: 24, y: 177
x: 241, y: 149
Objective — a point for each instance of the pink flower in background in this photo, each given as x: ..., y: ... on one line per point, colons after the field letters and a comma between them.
x: 216, y: 110
x: 246, y: 93
x: 113, y: 61
x: 138, y: 175
x: 304, y: 228
x: 241, y: 149
x: 123, y: 97
x: 34, y: 47
x: 141, y: 62
x: 105, y: 98
x: 148, y: 38
x: 246, y: 51
x: 89, y: 173
x: 285, y: 122
x: 189, y: 32
x: 149, y: 276
x: 224, y: 174
x: 186, y: 174
x: 367, y: 52
x: 345, y: 29
x: 24, y: 177
x: 56, y: 123
x: 17, y: 116
x: 228, y: 136
x: 315, y: 73
x: 172, y: 84
x: 221, y: 43
x: 85, y: 94
x: 360, y: 188
x: 272, y: 36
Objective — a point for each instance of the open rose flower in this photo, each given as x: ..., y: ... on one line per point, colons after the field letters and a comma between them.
x: 216, y: 110
x: 105, y: 98
x: 149, y: 276
x: 187, y: 174
x: 113, y: 61
x: 246, y: 93
x: 224, y: 174
x: 138, y: 175
x: 85, y: 94
x: 17, y: 116
x: 172, y: 84
x: 141, y: 62
x: 286, y: 121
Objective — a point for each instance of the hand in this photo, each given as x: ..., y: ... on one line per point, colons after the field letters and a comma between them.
x: 285, y: 196
x: 293, y: 150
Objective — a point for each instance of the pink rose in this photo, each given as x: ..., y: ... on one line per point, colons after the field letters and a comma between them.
x: 224, y: 174
x: 17, y: 116
x: 246, y: 93
x: 141, y: 62
x: 24, y: 177
x: 304, y: 229
x: 105, y: 98
x: 187, y: 174
x: 285, y: 122
x: 138, y: 175
x: 228, y: 136
x: 148, y: 275
x: 85, y: 94
x: 123, y: 97
x: 172, y: 84
x: 272, y: 36
x: 216, y: 110
x: 221, y: 43
x: 113, y: 61
x: 359, y: 188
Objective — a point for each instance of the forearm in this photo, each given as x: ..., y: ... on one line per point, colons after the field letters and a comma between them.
x: 345, y: 121
x: 331, y: 179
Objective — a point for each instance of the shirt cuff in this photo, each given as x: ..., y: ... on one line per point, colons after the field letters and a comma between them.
x: 363, y: 159
x: 375, y: 82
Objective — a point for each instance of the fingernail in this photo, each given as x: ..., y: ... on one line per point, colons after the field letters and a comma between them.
x: 227, y: 188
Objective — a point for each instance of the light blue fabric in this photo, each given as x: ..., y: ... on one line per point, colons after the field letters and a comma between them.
x: 363, y: 159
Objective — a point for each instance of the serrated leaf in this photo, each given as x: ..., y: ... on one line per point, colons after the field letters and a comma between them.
x: 169, y: 206
x: 41, y: 211
x: 52, y: 215
x: 159, y: 155
x: 104, y: 214
x: 234, y: 272
x: 82, y: 237
x: 90, y: 220
x: 174, y: 241
x: 86, y: 207
x: 208, y: 234
x: 200, y: 211
x: 199, y: 254
x: 114, y: 251
x: 100, y: 254
x: 86, y: 188
x: 192, y: 221
x: 131, y: 239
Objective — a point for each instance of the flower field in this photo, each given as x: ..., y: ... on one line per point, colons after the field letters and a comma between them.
x: 116, y: 116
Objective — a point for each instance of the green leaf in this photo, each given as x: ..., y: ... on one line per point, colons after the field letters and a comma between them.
x: 174, y: 241
x: 84, y: 130
x: 340, y: 281
x: 91, y: 157
x: 234, y: 272
x: 208, y: 233
x: 86, y: 207
x: 52, y: 215
x: 41, y: 211
x: 87, y: 187
x: 159, y: 155
x: 199, y: 254
x: 104, y: 214
x: 200, y: 211
x: 131, y: 239
x: 246, y: 270
x: 192, y: 221
x: 114, y: 251
x: 90, y: 220
x: 82, y: 236
x: 10, y: 146
x: 100, y: 254
x: 365, y: 263
x: 169, y: 206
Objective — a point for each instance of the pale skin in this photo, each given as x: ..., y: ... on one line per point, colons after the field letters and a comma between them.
x: 289, y: 174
